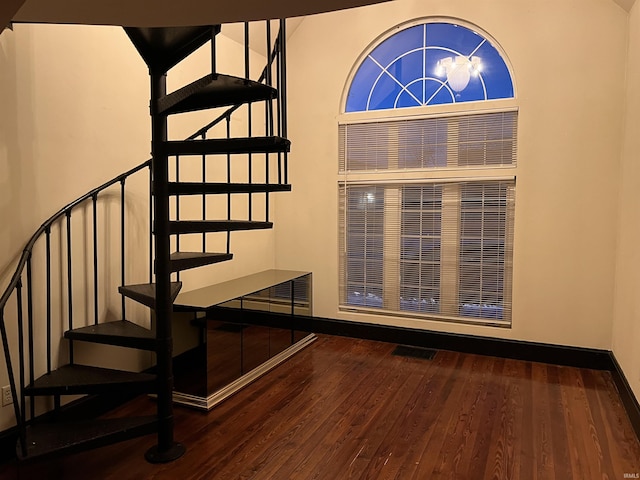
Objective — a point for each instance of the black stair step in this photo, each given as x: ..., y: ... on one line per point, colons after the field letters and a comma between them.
x: 47, y: 439
x: 214, y: 90
x: 163, y: 47
x: 226, y: 145
x: 82, y: 379
x: 145, y: 293
x: 195, y: 188
x: 122, y: 333
x: 201, y: 226
x: 185, y: 260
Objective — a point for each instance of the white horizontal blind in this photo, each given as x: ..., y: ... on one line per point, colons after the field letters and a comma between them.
x: 436, y: 249
x: 486, y: 249
x: 362, y: 245
x: 417, y: 247
x: 483, y: 139
x: 421, y: 244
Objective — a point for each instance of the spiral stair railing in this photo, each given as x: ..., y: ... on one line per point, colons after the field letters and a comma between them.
x: 21, y: 301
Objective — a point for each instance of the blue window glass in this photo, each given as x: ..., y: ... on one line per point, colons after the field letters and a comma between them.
x: 429, y: 64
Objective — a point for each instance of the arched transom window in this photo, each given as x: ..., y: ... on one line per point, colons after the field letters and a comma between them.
x: 429, y: 64
x: 427, y: 197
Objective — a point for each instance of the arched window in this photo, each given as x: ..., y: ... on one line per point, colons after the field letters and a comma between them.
x: 427, y: 200
x: 429, y: 64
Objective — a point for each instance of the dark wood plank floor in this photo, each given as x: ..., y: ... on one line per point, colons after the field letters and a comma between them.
x: 345, y: 408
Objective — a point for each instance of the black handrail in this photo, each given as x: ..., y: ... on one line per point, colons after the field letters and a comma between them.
x: 47, y: 224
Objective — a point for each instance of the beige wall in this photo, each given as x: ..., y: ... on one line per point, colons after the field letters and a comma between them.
x: 74, y: 114
x: 16, y: 174
x: 567, y: 179
x: 626, y: 319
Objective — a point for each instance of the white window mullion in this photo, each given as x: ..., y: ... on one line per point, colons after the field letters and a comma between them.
x: 391, y: 255
x: 450, y: 250
x: 508, y: 252
x: 391, y: 273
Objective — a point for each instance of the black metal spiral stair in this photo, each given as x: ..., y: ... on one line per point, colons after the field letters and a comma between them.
x: 161, y: 49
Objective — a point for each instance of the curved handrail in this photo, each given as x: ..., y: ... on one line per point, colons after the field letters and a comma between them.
x: 26, y: 252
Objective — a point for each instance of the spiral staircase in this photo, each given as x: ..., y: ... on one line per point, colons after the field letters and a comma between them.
x: 161, y: 48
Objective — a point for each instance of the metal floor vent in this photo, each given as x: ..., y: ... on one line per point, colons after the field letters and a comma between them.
x: 414, y: 352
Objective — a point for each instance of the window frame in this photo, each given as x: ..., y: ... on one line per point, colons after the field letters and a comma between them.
x: 443, y: 107
x: 425, y: 175
x: 391, y: 288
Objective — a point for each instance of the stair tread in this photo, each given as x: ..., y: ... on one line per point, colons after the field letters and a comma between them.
x: 198, y: 188
x: 214, y: 90
x: 47, y: 439
x: 145, y: 293
x: 77, y: 379
x: 185, y: 260
x: 122, y: 333
x: 226, y: 146
x: 163, y: 47
x: 190, y: 255
x: 198, y: 226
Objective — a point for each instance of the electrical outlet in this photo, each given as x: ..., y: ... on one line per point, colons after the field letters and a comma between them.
x: 7, y: 398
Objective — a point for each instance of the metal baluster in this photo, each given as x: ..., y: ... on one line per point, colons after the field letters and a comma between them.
x: 32, y: 412
x: 246, y: 50
x: 21, y: 349
x: 48, y: 260
x: 279, y: 41
x: 178, y: 209
x: 151, y: 261
x: 150, y: 225
x: 266, y: 193
x: 249, y: 112
x: 94, y: 200
x: 12, y: 383
x: 122, y: 248
x: 228, y: 181
x: 204, y: 196
x: 283, y: 87
x: 213, y: 51
x: 269, y: 103
x: 268, y: 113
x: 269, y: 81
x: 250, y: 172
x: 69, y: 283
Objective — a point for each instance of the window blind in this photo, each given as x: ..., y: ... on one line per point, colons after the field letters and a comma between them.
x: 473, y: 140
x: 434, y: 249
x: 415, y: 246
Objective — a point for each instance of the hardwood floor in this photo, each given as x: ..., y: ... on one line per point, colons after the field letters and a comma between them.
x: 345, y: 408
